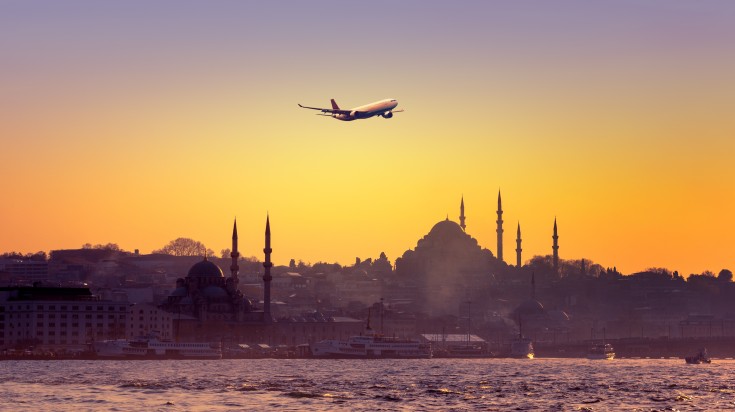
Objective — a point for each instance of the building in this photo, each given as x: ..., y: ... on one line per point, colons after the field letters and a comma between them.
x: 147, y: 319
x: 57, y: 318
x: 446, y: 265
x: 25, y: 270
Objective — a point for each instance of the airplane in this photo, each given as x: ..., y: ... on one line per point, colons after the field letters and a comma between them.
x: 381, y: 108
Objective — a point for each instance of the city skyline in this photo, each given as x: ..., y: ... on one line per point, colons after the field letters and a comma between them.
x: 138, y: 123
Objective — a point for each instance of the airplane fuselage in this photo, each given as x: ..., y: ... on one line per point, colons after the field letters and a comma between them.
x: 383, y: 108
x: 379, y: 108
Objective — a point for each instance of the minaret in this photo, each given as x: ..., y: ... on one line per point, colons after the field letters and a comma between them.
x: 500, y: 228
x: 461, y: 215
x: 555, y: 248
x: 518, y: 246
x: 267, y: 276
x: 234, y: 268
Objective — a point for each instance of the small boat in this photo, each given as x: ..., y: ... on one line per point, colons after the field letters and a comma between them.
x: 521, y: 348
x: 700, y: 357
x: 601, y: 351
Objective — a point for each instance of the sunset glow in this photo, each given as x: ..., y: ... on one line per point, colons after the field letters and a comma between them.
x: 139, y: 122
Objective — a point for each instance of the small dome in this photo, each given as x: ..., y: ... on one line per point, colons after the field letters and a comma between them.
x: 180, y: 291
x: 214, y: 292
x: 559, y: 316
x: 530, y: 307
x: 205, y: 268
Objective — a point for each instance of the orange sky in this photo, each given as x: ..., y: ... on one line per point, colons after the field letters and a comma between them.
x: 136, y: 124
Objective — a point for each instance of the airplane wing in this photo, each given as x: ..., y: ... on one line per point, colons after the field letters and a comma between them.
x: 324, y: 110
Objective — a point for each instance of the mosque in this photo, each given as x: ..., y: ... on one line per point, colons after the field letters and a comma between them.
x: 206, y: 303
x: 448, y: 266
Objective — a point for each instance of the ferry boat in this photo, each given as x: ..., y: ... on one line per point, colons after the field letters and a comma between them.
x: 371, y: 345
x: 521, y: 348
x: 150, y: 347
x: 701, y: 357
x: 601, y: 351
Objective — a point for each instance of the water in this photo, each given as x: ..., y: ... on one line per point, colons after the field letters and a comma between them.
x: 367, y: 385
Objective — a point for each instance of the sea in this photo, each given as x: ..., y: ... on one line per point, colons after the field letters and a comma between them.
x: 367, y: 385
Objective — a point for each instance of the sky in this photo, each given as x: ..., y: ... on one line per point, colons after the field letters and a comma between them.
x: 138, y: 122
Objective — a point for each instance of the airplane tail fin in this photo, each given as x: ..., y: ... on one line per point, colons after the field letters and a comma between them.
x: 334, y: 105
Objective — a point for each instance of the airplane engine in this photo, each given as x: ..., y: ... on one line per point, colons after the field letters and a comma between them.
x: 387, y: 115
x: 353, y: 114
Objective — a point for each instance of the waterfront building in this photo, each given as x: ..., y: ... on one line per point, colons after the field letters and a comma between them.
x: 57, y: 318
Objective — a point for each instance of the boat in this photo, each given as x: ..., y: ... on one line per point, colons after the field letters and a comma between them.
x: 700, y: 357
x: 151, y: 347
x: 371, y: 345
x: 601, y: 351
x: 521, y: 348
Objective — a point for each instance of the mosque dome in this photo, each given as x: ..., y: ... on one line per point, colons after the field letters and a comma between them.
x: 214, y: 292
x: 530, y: 307
x: 179, y: 292
x: 205, y: 269
x: 558, y: 316
x: 446, y: 228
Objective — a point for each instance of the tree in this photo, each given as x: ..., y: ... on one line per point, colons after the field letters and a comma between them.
x: 99, y: 246
x: 225, y: 253
x: 725, y: 275
x: 184, y: 246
